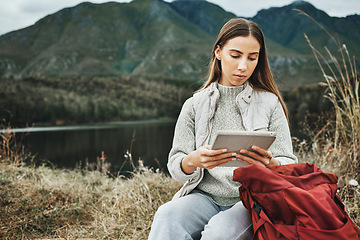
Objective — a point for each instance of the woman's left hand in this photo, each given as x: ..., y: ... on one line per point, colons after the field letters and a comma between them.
x: 258, y: 156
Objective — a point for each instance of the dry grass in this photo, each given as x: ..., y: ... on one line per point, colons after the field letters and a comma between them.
x: 11, y: 149
x: 335, y: 146
x: 49, y: 203
x: 38, y: 202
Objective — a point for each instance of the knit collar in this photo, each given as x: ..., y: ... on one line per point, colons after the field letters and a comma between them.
x: 230, y: 89
x: 245, y: 94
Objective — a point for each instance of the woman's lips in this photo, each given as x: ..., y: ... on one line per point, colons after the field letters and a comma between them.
x: 240, y: 76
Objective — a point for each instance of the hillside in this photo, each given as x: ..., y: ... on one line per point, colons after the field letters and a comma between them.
x: 144, y: 37
x: 208, y: 16
x: 51, y: 72
x: 287, y: 27
x: 70, y: 100
x: 155, y: 39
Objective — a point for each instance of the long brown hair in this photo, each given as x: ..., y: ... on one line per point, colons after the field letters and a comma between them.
x: 262, y: 77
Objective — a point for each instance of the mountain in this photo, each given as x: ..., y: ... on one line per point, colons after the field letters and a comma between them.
x: 208, y: 16
x: 157, y: 40
x: 355, y: 19
x: 287, y: 26
x: 144, y: 37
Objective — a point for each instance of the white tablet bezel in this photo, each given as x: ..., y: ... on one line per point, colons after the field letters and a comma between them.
x: 233, y: 141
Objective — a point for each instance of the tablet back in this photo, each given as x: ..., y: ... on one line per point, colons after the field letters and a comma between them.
x: 233, y: 141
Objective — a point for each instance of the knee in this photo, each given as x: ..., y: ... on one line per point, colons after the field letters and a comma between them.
x: 233, y: 223
x: 167, y: 211
x: 162, y: 211
x: 169, y: 220
x: 221, y: 232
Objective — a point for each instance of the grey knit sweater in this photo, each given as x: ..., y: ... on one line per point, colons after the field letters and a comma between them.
x: 217, y: 182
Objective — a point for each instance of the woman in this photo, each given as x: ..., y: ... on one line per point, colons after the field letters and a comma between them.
x: 240, y: 94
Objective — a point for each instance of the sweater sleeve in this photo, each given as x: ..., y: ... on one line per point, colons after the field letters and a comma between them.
x: 183, y: 142
x: 281, y: 149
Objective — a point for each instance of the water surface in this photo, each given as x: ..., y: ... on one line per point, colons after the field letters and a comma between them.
x: 69, y: 146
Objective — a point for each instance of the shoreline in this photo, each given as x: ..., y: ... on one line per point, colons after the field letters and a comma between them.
x: 102, y: 125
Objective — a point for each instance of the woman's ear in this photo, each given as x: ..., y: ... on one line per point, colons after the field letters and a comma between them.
x: 217, y: 52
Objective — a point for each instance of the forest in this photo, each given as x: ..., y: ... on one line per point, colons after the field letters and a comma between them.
x: 77, y: 100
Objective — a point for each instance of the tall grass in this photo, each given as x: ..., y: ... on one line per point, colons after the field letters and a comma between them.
x: 337, y: 143
x: 43, y: 203
x: 38, y: 202
x: 11, y: 149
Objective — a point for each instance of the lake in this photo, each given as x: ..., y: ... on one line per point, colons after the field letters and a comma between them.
x: 71, y: 146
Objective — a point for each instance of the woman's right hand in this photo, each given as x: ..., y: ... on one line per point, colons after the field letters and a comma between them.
x: 205, y: 157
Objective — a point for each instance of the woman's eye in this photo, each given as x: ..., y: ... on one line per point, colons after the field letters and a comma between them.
x: 235, y: 56
x: 252, y: 59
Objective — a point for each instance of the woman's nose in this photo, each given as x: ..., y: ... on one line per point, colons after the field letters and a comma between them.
x: 242, y: 66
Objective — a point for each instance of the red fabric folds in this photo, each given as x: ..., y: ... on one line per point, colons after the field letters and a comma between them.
x: 298, y: 201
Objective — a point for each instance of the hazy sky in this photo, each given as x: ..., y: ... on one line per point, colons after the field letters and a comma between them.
x: 17, y: 14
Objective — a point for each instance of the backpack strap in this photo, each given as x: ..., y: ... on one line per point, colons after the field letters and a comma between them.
x: 342, y: 207
x: 264, y: 224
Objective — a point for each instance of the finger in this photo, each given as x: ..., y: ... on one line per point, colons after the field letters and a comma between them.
x: 255, y: 156
x: 262, y: 151
x: 249, y: 160
x: 251, y: 157
x: 213, y: 164
x: 265, y: 153
x: 222, y: 156
x: 213, y: 161
x: 211, y: 152
x: 273, y: 162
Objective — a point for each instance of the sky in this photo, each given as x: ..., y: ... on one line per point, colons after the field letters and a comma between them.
x: 17, y: 14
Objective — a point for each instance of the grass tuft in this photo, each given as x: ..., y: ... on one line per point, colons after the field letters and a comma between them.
x: 335, y: 146
x: 51, y: 203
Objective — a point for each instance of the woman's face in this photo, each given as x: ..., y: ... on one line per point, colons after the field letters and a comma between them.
x: 238, y: 57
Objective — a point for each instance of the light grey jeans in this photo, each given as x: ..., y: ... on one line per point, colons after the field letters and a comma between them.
x: 195, y: 216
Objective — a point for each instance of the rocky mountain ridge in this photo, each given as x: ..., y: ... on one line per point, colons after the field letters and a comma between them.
x: 157, y: 40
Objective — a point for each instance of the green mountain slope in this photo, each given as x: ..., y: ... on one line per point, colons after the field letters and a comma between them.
x: 153, y: 39
x: 107, y: 39
x: 287, y: 27
x: 208, y: 16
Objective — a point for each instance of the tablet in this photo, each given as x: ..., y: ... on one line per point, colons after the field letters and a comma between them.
x: 233, y: 141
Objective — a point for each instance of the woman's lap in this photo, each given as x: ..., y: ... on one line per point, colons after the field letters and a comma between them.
x: 234, y: 223
x: 186, y: 217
